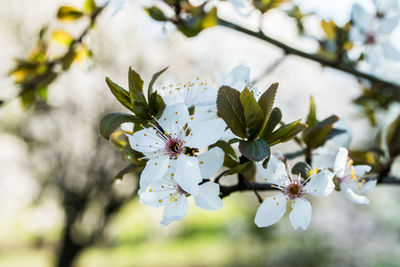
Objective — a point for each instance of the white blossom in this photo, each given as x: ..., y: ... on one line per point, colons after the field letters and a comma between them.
x: 293, y: 190
x: 166, y: 192
x: 178, y: 140
x: 372, y: 31
x: 350, y: 177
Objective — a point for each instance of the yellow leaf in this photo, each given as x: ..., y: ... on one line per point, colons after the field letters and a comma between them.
x: 329, y: 27
x: 62, y: 37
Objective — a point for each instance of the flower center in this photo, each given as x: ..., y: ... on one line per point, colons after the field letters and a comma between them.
x: 294, y: 190
x: 174, y: 147
x: 370, y: 39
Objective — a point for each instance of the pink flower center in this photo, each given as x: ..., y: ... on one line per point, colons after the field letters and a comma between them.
x: 174, y: 147
x: 181, y: 191
x: 370, y: 39
x: 294, y: 190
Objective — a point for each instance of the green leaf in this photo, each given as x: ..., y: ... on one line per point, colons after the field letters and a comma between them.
x: 254, y: 150
x: 317, y: 135
x: 253, y: 114
x: 120, y: 93
x: 312, y: 117
x: 197, y: 21
x: 286, y: 133
x: 153, y: 80
x: 302, y: 169
x: 27, y: 99
x: 274, y: 119
x: 241, y: 168
x: 156, y: 13
x: 266, y: 102
x: 90, y: 6
x: 393, y: 138
x: 226, y: 147
x: 231, y: 111
x: 156, y: 105
x: 69, y: 13
x: 42, y: 92
x: 111, y: 121
x: 68, y: 59
x: 138, y: 100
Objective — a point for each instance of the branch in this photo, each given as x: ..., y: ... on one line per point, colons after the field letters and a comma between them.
x: 313, y: 57
x: 250, y: 186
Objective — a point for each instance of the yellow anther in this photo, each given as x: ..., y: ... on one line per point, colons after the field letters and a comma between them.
x: 311, y: 202
x: 311, y: 172
x: 169, y: 166
x: 149, y: 123
x: 139, y: 159
x: 150, y: 190
x: 274, y: 198
x: 160, y: 200
x: 155, y: 163
x: 191, y: 118
x: 277, y: 203
x: 162, y: 186
x: 315, y: 190
x: 152, y: 116
x: 145, y: 134
x: 172, y: 174
x: 294, y: 201
x: 141, y: 125
x: 201, y: 162
x: 176, y: 112
x: 272, y: 186
x: 291, y: 208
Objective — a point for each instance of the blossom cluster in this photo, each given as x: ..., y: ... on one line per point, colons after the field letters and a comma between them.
x: 183, y: 148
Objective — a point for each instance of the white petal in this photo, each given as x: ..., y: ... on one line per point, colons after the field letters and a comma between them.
x: 275, y: 172
x: 300, y: 216
x: 361, y: 188
x: 270, y: 211
x: 349, y: 194
x: 238, y: 74
x: 389, y: 51
x: 174, y: 118
x: 175, y: 211
x: 158, y: 194
x: 361, y: 17
x: 361, y: 170
x: 340, y: 162
x: 387, y: 25
x: 146, y: 140
x: 208, y: 197
x: 155, y: 169
x: 188, y: 174
x: 324, y: 157
x: 320, y: 184
x: 205, y: 133
x: 210, y: 162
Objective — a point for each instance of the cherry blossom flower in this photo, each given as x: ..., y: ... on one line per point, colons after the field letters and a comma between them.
x: 176, y: 140
x: 324, y: 157
x: 373, y: 30
x: 166, y: 192
x: 293, y: 190
x: 192, y: 94
x: 238, y: 78
x: 350, y: 178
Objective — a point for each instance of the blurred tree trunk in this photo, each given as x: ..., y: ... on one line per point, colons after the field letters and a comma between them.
x: 69, y: 249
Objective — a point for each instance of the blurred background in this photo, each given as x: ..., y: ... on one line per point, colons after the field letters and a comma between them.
x: 59, y: 204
